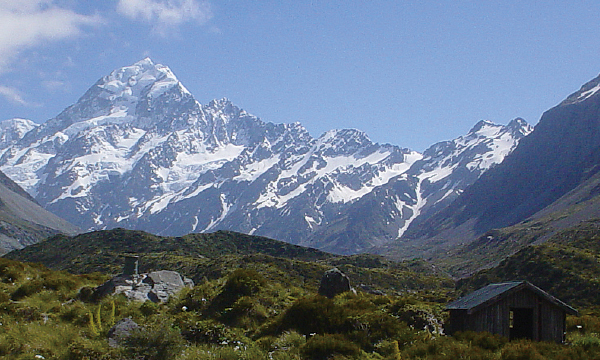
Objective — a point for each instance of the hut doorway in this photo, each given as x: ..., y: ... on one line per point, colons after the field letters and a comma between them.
x: 521, y: 323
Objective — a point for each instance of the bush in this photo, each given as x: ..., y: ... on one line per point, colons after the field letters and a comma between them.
x: 587, y: 342
x: 322, y: 347
x: 484, y: 340
x: 82, y: 348
x: 389, y: 349
x: 374, y: 327
x: 149, y: 308
x: 59, y: 281
x: 446, y: 348
x: 316, y: 315
x: 246, y: 311
x: 27, y: 289
x: 158, y: 341
x: 243, y: 282
x: 521, y: 350
x: 207, y: 332
x: 75, y: 313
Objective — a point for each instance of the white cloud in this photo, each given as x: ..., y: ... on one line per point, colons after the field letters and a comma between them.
x: 27, y: 23
x: 55, y: 85
x: 165, y: 14
x: 13, y: 95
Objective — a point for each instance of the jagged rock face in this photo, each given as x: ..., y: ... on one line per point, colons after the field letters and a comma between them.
x: 138, y: 151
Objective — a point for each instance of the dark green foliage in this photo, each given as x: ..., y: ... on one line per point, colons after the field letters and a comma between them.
x: 484, y: 340
x: 155, y: 342
x: 27, y: 289
x: 521, y: 351
x: 374, y: 327
x: 316, y: 314
x: 211, y: 256
x: 323, y: 347
x: 243, y: 282
x: 444, y: 348
x: 149, y: 308
x: 207, y: 331
x: 100, y: 250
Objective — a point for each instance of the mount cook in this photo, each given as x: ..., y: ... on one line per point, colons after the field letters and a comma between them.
x: 138, y: 151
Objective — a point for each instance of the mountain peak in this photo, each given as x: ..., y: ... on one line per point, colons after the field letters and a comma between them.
x: 13, y: 130
x: 145, y: 62
x: 480, y: 125
x: 130, y: 82
x: 588, y: 90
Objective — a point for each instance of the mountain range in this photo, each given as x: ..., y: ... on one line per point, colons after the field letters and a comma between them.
x: 551, y: 181
x: 138, y: 151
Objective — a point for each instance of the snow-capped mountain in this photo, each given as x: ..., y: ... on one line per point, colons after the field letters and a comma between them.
x: 553, y: 175
x: 138, y: 151
x: 13, y: 130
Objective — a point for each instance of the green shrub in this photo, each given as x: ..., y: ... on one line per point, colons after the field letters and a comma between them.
x: 389, y: 349
x: 207, y: 332
x: 520, y: 350
x: 246, y: 311
x: 243, y: 282
x: 4, y: 297
x: 157, y: 341
x: 11, y: 271
x: 374, y: 327
x: 75, y: 313
x: 149, y: 308
x: 82, y: 348
x: 587, y: 342
x: 27, y: 289
x: 316, y: 314
x: 59, y: 281
x: 286, y: 347
x: 323, y: 347
x: 484, y: 340
x: 445, y: 348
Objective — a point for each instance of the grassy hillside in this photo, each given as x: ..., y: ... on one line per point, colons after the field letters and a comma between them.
x: 246, y: 314
x: 566, y: 265
x: 210, y: 256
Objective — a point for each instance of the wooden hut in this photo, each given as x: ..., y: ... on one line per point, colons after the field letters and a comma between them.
x: 515, y: 309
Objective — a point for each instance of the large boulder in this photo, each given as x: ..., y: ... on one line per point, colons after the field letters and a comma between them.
x: 156, y: 286
x: 334, y: 282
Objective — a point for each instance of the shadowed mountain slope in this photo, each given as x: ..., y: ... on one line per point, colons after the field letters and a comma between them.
x: 23, y: 221
x: 560, y: 156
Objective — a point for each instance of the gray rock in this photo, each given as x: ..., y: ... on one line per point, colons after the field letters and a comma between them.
x: 156, y: 286
x: 121, y: 331
x: 164, y: 284
x: 334, y: 282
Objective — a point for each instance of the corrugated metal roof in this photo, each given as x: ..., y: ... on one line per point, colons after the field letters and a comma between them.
x: 494, y: 292
x: 482, y: 295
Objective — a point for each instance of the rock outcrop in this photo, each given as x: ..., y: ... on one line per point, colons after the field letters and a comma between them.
x: 334, y: 282
x: 156, y: 286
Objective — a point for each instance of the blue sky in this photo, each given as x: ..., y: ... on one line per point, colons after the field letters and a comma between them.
x: 410, y: 73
